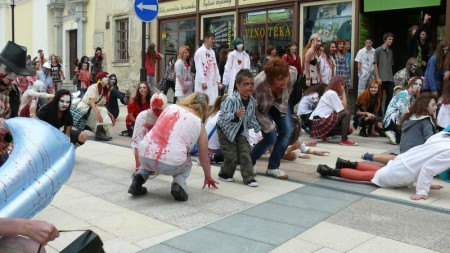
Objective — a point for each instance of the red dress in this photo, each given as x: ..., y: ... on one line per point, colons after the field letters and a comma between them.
x: 135, y: 108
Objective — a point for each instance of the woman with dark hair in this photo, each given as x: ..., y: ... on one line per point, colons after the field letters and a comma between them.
x: 435, y: 69
x: 97, y: 62
x: 331, y: 115
x: 342, y: 66
x: 367, y: 107
x: 292, y: 57
x: 418, y: 45
x: 271, y: 53
x: 327, y: 64
x: 398, y: 106
x: 151, y: 56
x: 308, y: 103
x: 57, y: 113
x: 114, y: 94
x: 137, y: 104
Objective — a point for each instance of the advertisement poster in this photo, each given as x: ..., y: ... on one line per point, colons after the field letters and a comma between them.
x: 330, y: 21
x: 222, y: 27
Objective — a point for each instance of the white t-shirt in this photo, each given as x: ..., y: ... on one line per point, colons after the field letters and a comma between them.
x: 213, y: 142
x: 171, y: 138
x: 184, y: 71
x: 307, y: 103
x: 328, y: 103
x: 144, y: 122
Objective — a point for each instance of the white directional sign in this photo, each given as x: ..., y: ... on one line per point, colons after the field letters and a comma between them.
x: 146, y: 10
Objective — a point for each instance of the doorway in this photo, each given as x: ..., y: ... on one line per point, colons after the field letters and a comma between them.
x: 73, y: 51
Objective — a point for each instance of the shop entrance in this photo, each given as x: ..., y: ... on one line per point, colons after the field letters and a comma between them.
x: 398, y: 22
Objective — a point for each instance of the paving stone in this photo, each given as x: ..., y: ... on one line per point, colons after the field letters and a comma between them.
x: 257, y: 229
x: 161, y: 248
x: 287, y: 214
x: 361, y: 187
x: 305, y: 201
x: 322, y: 192
x: 205, y: 240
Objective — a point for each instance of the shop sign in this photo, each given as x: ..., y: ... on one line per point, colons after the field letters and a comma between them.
x: 244, y: 2
x: 177, y: 7
x: 272, y: 31
x: 215, y: 4
x: 222, y: 27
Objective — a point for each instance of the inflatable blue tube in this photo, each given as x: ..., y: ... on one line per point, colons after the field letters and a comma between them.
x: 41, y: 161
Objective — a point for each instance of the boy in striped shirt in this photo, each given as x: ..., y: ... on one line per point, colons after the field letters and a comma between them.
x: 237, y: 116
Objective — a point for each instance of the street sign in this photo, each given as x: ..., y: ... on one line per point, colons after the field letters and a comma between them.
x: 146, y: 10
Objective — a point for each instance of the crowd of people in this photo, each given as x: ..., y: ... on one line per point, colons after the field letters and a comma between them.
x: 234, y: 117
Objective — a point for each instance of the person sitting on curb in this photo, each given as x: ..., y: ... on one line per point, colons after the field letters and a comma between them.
x: 165, y: 148
x: 418, y: 165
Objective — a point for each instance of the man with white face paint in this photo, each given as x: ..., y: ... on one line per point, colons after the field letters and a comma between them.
x: 236, y: 60
x: 29, y: 103
x: 12, y: 64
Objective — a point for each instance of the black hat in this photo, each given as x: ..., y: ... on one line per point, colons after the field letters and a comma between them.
x: 15, y: 58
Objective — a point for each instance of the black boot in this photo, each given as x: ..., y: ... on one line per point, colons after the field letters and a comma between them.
x: 341, y: 164
x: 100, y: 134
x: 178, y: 192
x: 363, y: 132
x: 324, y: 171
x: 136, y: 187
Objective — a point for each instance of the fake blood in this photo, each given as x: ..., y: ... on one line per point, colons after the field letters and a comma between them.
x: 163, y: 131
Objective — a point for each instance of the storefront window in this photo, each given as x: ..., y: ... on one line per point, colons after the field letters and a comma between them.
x: 262, y: 28
x: 330, y: 21
x: 223, y: 28
x: 175, y: 34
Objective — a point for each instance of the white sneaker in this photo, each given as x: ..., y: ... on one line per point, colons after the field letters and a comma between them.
x: 277, y: 173
x: 391, y: 136
x: 252, y: 183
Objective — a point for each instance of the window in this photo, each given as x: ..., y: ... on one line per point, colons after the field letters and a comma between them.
x: 122, y: 41
x: 267, y: 27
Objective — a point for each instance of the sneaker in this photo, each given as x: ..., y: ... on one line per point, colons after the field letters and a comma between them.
x: 225, y: 178
x: 348, y: 143
x: 391, y: 136
x: 366, y: 156
x: 252, y: 183
x: 277, y: 173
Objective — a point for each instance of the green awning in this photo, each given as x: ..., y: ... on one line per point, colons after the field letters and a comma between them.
x: 382, y: 5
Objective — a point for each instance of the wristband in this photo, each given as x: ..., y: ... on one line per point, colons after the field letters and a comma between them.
x: 311, y: 151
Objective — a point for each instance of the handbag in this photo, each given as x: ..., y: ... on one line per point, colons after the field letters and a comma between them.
x: 297, y: 90
x: 88, y: 242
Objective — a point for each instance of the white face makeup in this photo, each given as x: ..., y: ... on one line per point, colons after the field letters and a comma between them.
x: 417, y: 85
x: 105, y: 80
x: 240, y: 46
x: 112, y: 80
x: 64, y: 102
x: 373, y: 90
x: 6, y: 75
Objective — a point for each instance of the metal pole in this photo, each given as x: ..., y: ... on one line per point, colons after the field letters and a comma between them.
x: 143, y: 71
x: 12, y: 18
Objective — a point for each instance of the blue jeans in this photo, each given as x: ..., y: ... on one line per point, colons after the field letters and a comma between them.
x: 279, y: 142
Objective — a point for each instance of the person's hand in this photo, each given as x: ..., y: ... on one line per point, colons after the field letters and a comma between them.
x: 379, y: 80
x: 204, y: 86
x: 220, y: 85
x: 321, y: 153
x: 290, y: 156
x: 351, y: 129
x: 308, y: 82
x: 209, y: 181
x: 370, y: 115
x: 426, y: 18
x: 418, y: 197
x: 4, y: 147
x: 240, y: 113
x: 41, y: 231
x: 436, y: 187
x: 424, y: 63
x: 304, y: 156
x: 185, y: 89
x: 446, y: 75
x: 310, y: 143
x: 99, y: 117
x: 434, y: 93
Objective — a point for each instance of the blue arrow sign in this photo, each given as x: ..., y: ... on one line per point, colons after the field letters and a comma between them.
x: 146, y: 10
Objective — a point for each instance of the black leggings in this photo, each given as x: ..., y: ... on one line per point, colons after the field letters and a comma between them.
x: 170, y: 84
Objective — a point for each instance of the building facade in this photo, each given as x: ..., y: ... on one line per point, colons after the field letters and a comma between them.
x: 74, y: 28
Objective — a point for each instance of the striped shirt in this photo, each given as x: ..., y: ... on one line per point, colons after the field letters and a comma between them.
x: 228, y: 121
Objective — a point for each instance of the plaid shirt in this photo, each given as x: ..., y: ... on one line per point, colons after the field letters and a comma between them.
x: 265, y: 100
x: 342, y: 69
x: 5, y: 109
